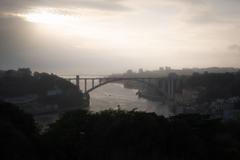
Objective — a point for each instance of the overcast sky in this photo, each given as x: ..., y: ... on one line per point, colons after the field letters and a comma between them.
x: 106, y: 36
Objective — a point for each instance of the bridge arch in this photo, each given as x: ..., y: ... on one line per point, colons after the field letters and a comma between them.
x: 151, y: 85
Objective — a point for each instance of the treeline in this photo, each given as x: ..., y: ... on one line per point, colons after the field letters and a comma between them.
x: 118, y: 135
x: 22, y: 82
x: 213, y: 86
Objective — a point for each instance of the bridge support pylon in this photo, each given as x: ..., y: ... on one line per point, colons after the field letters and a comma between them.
x: 93, y: 83
x: 85, y: 85
x: 78, y: 82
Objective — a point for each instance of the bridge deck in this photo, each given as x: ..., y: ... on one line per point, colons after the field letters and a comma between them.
x: 165, y: 85
x: 121, y: 78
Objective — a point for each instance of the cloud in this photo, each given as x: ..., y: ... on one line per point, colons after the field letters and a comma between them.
x: 234, y: 47
x: 158, y: 31
x: 13, y: 40
x: 23, y: 5
x: 206, y: 12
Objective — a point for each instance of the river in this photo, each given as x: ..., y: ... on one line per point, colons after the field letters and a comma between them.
x: 113, y: 94
x: 110, y: 96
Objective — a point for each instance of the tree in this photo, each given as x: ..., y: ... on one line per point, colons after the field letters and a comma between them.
x: 18, y: 133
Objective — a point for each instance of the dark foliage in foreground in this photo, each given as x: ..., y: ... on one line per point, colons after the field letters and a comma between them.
x: 18, y: 133
x: 122, y: 135
x: 137, y: 135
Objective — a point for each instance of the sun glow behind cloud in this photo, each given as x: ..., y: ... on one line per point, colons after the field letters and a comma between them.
x: 94, y: 27
x: 47, y: 17
x: 71, y: 25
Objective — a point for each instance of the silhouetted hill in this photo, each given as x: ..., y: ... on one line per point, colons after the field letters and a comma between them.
x: 18, y: 83
x: 39, y: 92
x: 212, y: 86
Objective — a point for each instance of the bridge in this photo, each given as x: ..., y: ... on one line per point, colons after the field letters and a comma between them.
x: 164, y: 86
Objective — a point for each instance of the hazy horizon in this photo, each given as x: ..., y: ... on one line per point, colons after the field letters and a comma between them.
x: 111, y: 36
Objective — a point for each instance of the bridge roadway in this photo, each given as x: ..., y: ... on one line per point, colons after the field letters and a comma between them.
x: 109, y: 78
x: 165, y: 86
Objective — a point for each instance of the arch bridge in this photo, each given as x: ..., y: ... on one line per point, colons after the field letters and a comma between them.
x: 164, y: 86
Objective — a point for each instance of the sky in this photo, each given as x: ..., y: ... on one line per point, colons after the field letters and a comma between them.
x: 111, y: 36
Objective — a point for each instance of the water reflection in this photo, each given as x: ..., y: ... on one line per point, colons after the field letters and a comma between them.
x: 114, y: 94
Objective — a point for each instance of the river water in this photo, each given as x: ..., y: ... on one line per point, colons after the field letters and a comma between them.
x: 113, y: 94
x: 110, y: 96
